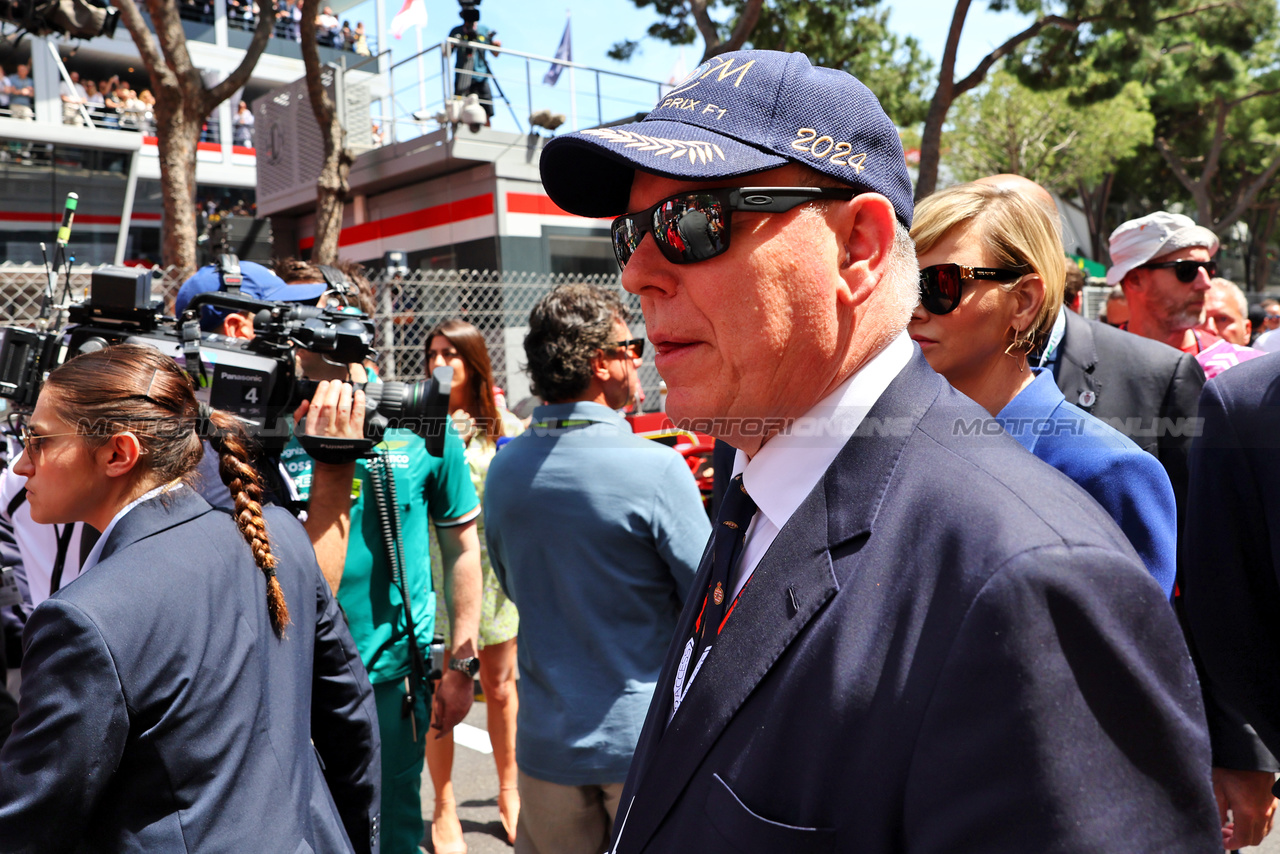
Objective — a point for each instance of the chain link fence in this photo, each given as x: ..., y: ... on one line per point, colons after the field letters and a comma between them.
x: 496, y: 303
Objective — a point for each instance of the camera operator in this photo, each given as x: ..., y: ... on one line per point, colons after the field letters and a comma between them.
x: 432, y: 491
x: 334, y: 410
x: 472, y: 63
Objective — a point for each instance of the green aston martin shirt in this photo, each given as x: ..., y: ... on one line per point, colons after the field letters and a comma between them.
x: 428, y: 489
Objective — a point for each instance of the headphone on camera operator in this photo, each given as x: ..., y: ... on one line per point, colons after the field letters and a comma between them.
x: 246, y: 278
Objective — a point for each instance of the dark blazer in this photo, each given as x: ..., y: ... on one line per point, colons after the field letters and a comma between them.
x: 1231, y: 546
x: 1134, y: 384
x: 1149, y: 391
x: 948, y: 648
x: 160, y: 712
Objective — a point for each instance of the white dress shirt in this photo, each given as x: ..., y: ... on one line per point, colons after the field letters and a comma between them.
x: 95, y: 554
x: 783, y: 472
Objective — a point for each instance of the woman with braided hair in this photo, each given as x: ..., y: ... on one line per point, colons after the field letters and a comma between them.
x: 173, y: 692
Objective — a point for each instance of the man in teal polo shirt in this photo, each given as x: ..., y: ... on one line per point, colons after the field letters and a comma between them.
x: 427, y: 491
x: 426, y: 488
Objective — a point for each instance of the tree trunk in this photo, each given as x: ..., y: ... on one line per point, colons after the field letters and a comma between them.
x: 931, y: 138
x: 332, y: 187
x: 713, y: 46
x: 1261, y: 230
x: 182, y: 104
x: 1094, y: 204
x: 177, y: 138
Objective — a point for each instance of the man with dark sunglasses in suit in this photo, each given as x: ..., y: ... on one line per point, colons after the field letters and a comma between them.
x: 907, y: 634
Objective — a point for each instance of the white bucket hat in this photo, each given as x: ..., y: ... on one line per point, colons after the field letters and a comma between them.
x: 1139, y: 240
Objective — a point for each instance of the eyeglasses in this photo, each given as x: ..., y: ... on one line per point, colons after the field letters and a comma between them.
x: 1187, y: 269
x: 941, y: 285
x: 633, y: 346
x: 694, y: 226
x: 31, y: 440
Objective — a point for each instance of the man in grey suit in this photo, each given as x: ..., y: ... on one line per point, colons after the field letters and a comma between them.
x: 907, y: 635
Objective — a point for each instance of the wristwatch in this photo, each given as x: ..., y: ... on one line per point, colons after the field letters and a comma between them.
x: 469, y: 666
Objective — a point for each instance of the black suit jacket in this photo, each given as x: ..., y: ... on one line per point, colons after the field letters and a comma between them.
x: 1145, y: 389
x: 1150, y: 392
x: 160, y: 712
x: 976, y: 660
x: 1232, y: 541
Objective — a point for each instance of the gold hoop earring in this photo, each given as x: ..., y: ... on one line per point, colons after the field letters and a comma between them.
x: 1020, y: 343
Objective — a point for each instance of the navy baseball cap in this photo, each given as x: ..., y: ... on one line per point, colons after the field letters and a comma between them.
x: 256, y: 281
x: 737, y: 114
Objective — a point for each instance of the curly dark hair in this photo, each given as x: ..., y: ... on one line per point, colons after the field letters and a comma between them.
x: 566, y: 328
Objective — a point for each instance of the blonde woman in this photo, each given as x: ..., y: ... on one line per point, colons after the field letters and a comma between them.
x: 991, y: 283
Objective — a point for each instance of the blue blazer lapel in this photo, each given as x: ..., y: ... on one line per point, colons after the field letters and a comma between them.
x: 787, y: 591
x: 151, y: 517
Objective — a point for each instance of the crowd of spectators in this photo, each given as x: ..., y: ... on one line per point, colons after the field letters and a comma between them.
x: 243, y: 14
x: 110, y: 103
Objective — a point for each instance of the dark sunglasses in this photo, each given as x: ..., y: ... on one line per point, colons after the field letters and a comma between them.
x: 942, y: 284
x: 694, y: 226
x: 1186, y: 270
x: 633, y: 346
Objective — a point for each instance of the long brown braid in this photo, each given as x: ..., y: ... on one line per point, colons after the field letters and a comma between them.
x: 244, y: 482
x: 135, y: 388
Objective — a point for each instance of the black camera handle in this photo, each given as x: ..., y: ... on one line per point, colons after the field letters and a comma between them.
x: 384, y: 495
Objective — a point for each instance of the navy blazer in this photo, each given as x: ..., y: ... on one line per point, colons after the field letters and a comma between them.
x: 1128, y: 482
x: 159, y: 711
x: 948, y: 648
x: 1149, y: 391
x: 1232, y: 540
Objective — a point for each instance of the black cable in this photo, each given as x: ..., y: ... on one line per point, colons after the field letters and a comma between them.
x: 384, y: 494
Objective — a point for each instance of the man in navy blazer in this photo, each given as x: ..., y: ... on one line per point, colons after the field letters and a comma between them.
x: 916, y: 639
x: 1231, y: 545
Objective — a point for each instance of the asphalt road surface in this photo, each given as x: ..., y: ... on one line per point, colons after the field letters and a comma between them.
x: 475, y: 784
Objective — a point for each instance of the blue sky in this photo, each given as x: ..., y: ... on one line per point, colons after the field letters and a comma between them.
x: 536, y: 27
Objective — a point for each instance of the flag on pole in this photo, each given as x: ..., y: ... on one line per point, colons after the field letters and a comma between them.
x: 564, y: 52
x: 412, y: 14
x: 679, y: 72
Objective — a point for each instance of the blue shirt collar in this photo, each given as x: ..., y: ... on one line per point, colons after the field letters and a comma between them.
x: 580, y: 411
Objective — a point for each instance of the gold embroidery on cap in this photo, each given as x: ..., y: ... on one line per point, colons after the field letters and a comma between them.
x: 697, y: 152
x: 726, y: 68
x: 822, y: 147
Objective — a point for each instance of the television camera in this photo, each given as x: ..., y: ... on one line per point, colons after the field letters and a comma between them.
x: 254, y: 379
x: 80, y: 19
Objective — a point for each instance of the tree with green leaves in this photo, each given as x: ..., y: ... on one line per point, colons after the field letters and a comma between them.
x: 1007, y: 127
x: 1213, y: 85
x: 1069, y: 25
x: 852, y: 35
x: 684, y: 21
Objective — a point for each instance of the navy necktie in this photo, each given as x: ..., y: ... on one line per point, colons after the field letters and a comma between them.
x: 736, y: 510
